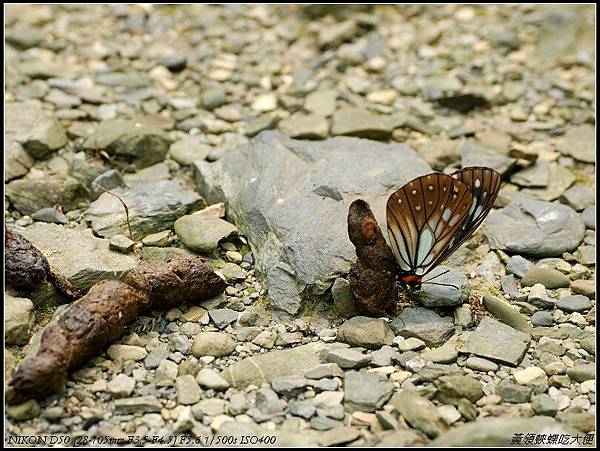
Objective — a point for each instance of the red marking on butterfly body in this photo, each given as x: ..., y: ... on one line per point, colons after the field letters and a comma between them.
x: 411, y: 281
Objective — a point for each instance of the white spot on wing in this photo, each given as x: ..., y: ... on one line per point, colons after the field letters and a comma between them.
x: 414, y: 191
x: 418, y: 208
x: 477, y: 183
x: 454, y: 220
x: 446, y: 215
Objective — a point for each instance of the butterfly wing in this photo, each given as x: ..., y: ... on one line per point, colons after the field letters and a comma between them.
x: 423, y: 216
x: 484, y: 184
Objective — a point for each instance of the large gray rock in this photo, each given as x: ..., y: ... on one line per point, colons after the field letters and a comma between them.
x: 424, y: 324
x: 78, y: 255
x: 265, y: 367
x: 366, y: 392
x: 31, y: 132
x: 500, y: 431
x: 31, y: 195
x: 535, y: 228
x: 366, y: 332
x: 485, y: 340
x: 291, y: 199
x: 153, y: 207
x: 133, y: 143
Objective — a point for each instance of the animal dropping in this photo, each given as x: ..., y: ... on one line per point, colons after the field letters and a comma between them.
x: 427, y: 220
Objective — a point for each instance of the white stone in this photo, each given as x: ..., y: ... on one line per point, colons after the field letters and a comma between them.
x: 528, y: 375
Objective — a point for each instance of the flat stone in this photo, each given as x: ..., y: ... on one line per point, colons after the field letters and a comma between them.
x: 154, y: 206
x: 121, y: 243
x: 424, y: 324
x: 542, y: 319
x: 411, y: 344
x: 366, y: 392
x: 483, y: 342
x: 133, y: 143
x: 499, y: 431
x: 536, y: 175
x: 513, y: 393
x: 215, y: 344
x: 325, y: 370
x: 31, y: 195
x: 338, y: 436
x: 120, y: 352
x: 579, y: 197
x: 289, y: 385
x: 78, y: 255
x: 322, y: 102
x: 345, y: 358
x: 35, y: 129
x: 544, y: 405
x: 189, y: 149
x: 584, y: 287
x: 419, y: 412
x: 550, y: 278
x: 304, y: 408
x: 50, y: 214
x: 223, y: 317
x: 574, y: 303
x: 203, y: 233
x: 578, y: 142
x: 518, y: 266
x: 305, y: 126
x: 582, y: 372
x: 211, y: 379
x: 265, y: 367
x: 188, y: 391
x: 480, y: 364
x: 361, y: 123
x: 121, y: 386
x: 451, y: 389
x: 146, y: 404
x: 534, y: 228
x: 528, y: 375
x: 365, y: 332
x: 446, y: 353
x: 589, y: 344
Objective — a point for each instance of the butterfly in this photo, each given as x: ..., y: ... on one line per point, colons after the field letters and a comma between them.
x: 432, y: 215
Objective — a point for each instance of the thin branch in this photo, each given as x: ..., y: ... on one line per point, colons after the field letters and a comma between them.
x: 97, y: 185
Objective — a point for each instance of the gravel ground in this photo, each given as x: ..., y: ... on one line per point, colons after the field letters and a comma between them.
x: 147, y: 100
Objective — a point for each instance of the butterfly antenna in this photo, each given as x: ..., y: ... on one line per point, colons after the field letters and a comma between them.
x: 438, y: 275
x: 441, y: 284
